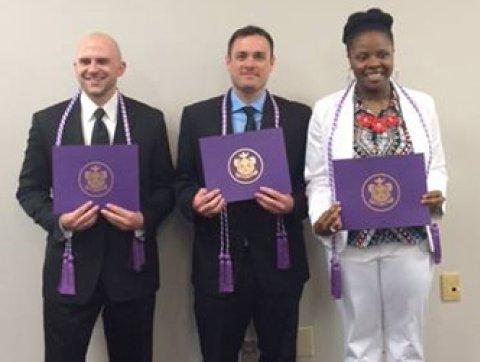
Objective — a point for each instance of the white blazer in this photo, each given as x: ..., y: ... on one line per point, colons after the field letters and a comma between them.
x: 319, y: 131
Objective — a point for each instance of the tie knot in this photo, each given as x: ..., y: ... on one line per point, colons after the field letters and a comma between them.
x: 98, y: 114
x: 249, y: 111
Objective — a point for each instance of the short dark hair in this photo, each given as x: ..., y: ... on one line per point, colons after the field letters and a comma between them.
x: 250, y: 30
x: 373, y: 19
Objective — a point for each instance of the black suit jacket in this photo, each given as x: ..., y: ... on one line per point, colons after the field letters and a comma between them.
x: 247, y: 220
x: 102, y: 251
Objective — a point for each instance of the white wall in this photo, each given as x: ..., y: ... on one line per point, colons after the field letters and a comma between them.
x: 175, y: 51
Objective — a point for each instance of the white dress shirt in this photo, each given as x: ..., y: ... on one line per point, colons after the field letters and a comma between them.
x: 88, y: 108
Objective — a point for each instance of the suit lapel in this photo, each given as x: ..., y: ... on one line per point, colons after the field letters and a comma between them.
x: 119, y: 137
x: 414, y: 126
x: 229, y: 113
x: 343, y: 138
x: 73, y: 133
x: 268, y: 114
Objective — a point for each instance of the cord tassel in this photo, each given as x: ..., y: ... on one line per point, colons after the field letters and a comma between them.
x: 67, y: 278
x: 437, y: 248
x: 335, y: 278
x: 283, y: 252
x: 138, y: 254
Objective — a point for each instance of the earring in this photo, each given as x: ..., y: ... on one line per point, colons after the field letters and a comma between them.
x: 350, y: 76
x: 396, y: 74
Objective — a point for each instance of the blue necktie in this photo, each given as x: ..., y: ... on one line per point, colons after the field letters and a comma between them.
x: 250, y: 112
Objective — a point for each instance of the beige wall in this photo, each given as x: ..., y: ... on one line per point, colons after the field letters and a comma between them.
x: 174, y: 51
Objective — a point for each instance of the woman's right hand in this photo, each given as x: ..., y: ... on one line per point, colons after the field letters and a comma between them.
x: 330, y: 222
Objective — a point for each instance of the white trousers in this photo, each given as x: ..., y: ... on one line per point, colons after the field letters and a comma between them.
x: 384, y: 293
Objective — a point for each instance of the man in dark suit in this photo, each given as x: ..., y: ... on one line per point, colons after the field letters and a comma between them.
x: 262, y: 291
x: 102, y: 241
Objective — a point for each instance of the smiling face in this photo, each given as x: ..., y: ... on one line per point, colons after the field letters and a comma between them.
x: 249, y: 63
x: 370, y: 55
x: 97, y: 66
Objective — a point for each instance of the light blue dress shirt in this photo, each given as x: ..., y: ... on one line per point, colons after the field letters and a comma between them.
x: 239, y: 118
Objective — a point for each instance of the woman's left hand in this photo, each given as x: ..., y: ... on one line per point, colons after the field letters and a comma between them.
x: 434, y: 200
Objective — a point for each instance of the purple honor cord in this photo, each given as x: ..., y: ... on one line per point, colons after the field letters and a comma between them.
x: 225, y: 276
x: 66, y: 285
x: 67, y: 277
x: 335, y: 269
x: 432, y: 230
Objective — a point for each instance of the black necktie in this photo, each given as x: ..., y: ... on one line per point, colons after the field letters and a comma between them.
x: 99, y: 133
x: 250, y: 111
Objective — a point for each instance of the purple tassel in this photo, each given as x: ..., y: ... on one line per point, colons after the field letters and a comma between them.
x: 221, y: 273
x: 228, y: 274
x: 67, y: 279
x: 225, y: 274
x: 283, y: 253
x: 437, y: 248
x: 335, y: 278
x: 138, y: 254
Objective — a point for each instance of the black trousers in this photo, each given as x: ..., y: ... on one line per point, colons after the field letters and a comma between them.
x: 222, y: 321
x: 128, y: 328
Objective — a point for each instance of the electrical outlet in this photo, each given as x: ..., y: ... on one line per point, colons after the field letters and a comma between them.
x: 450, y: 286
x: 305, y: 342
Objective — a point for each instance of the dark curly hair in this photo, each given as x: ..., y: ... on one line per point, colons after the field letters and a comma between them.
x: 362, y: 21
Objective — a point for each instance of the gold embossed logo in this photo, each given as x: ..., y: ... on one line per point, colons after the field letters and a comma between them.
x: 95, y: 179
x: 245, y: 165
x: 381, y: 192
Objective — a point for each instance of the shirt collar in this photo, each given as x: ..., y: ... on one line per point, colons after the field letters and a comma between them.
x: 89, y: 107
x: 257, y: 103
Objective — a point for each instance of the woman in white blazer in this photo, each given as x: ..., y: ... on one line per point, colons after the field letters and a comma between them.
x: 385, y: 273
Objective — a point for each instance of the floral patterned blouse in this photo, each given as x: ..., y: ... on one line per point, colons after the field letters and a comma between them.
x: 394, y: 141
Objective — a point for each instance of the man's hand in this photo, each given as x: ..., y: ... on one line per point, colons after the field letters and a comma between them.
x: 434, y: 200
x: 81, y: 218
x: 274, y: 201
x: 208, y: 203
x: 123, y: 219
x: 330, y: 222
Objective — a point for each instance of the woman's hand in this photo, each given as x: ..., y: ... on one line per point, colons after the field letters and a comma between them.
x: 434, y: 200
x: 330, y: 222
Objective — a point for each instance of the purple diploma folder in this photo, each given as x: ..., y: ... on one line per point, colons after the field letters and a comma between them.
x: 381, y: 192
x: 102, y: 174
x: 238, y: 164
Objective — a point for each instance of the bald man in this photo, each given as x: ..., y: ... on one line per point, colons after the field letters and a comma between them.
x: 104, y: 242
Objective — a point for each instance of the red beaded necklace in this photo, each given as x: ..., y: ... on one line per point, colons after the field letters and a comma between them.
x: 387, y: 120
x: 376, y: 124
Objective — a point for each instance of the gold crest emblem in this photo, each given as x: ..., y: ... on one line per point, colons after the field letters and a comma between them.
x: 96, y: 179
x: 245, y: 166
x: 380, y: 192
